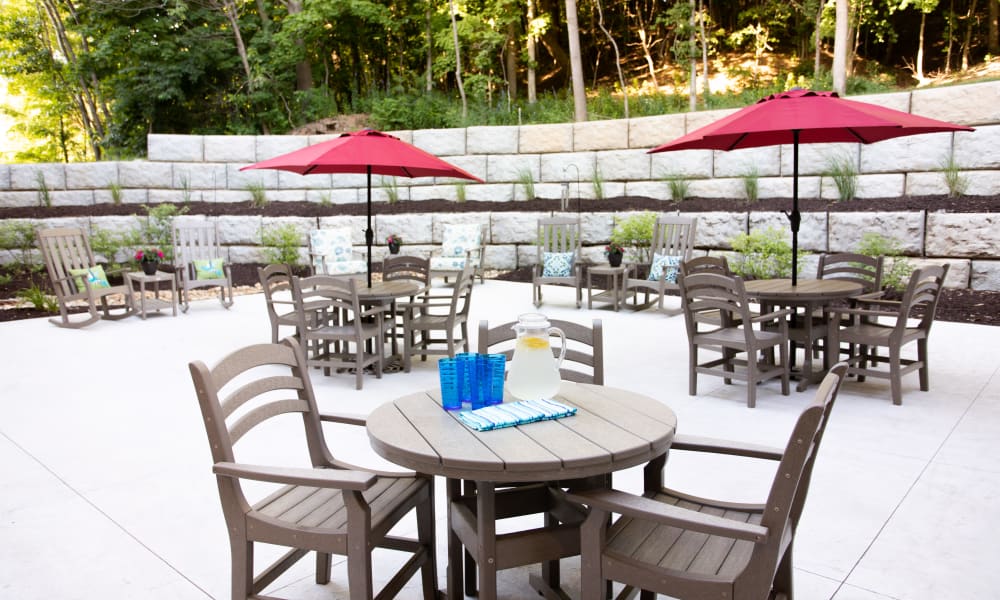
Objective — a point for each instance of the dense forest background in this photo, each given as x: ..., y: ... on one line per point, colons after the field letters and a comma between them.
x: 89, y: 79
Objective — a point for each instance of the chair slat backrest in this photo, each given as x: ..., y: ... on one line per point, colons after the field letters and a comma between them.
x: 921, y: 296
x: 585, y: 347
x: 706, y: 264
x: 196, y: 242
x: 707, y: 292
x: 461, y: 300
x: 559, y: 234
x: 858, y: 268
x: 64, y: 248
x: 674, y: 236
x: 410, y: 268
x: 340, y: 294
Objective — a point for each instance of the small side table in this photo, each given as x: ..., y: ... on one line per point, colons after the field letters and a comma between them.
x: 615, y: 294
x: 154, y: 303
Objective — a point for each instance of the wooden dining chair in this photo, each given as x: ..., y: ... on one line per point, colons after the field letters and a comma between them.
x: 686, y: 547
x: 707, y: 296
x: 893, y: 324
x: 329, y: 507
x: 405, y: 268
x: 344, y: 335
x: 859, y: 268
x: 584, y: 360
x: 430, y: 323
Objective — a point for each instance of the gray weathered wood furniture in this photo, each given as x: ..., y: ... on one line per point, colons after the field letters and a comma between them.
x: 67, y: 249
x: 673, y: 236
x: 613, y: 430
x: 193, y: 245
x: 437, y: 313
x: 584, y: 361
x: 330, y: 508
x: 337, y: 336
x: 714, y: 295
x: 813, y: 297
x: 615, y: 288
x: 679, y: 545
x: 893, y: 324
x: 405, y: 268
x: 558, y: 235
x: 859, y: 268
x: 156, y: 303
x: 276, y: 281
x: 707, y: 264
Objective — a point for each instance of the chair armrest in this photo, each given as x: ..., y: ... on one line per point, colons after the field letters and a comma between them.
x: 343, y: 418
x: 327, y: 478
x: 717, y: 446
x: 772, y: 316
x: 615, y: 501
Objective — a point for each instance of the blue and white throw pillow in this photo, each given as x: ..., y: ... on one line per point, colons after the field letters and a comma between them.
x: 557, y: 264
x: 663, y: 262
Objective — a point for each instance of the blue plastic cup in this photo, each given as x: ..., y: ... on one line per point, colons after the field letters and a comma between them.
x: 495, y: 365
x: 448, y: 375
x: 467, y: 377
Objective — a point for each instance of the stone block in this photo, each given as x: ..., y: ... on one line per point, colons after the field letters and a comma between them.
x: 145, y: 174
x: 439, y: 220
x: 847, y: 229
x: 356, y: 224
x: 492, y: 140
x: 414, y: 228
x: 270, y: 146
x: 71, y: 197
x: 963, y: 104
x: 169, y: 147
x: 553, y: 191
x: 812, y: 232
x: 195, y: 219
x: 441, y: 142
x: 978, y: 149
x: 302, y: 225
x: 595, y: 228
x: 716, y: 229
x: 235, y: 229
x: 925, y: 152
x: 251, y: 254
x: 624, y: 165
x: 93, y: 175
x: 985, y: 275
x: 816, y: 159
x: 694, y: 120
x: 689, y: 164
x: 886, y: 185
x: 513, y: 167
x: 244, y: 180
x: 764, y: 162
x: 500, y: 257
x: 171, y: 196
x: 515, y: 228
x: 333, y: 196
x: 896, y: 101
x: 230, y: 148
x: 116, y: 224
x: 527, y: 255
x: 600, y: 135
x: 293, y: 181
x: 10, y: 199
x: 963, y: 234
x: 474, y: 164
x: 984, y: 183
x: 228, y: 196
x: 31, y: 176
x: 608, y: 189
x: 781, y: 187
x: 648, y: 189
x: 81, y: 222
x: 546, y: 138
x: 648, y: 132
x: 434, y: 192
x: 717, y: 188
x: 574, y: 166
x: 199, y: 176
x: 592, y: 255
x: 959, y: 270
x: 4, y: 177
x: 925, y: 184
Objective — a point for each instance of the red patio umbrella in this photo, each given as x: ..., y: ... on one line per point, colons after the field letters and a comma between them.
x: 365, y: 151
x: 805, y: 117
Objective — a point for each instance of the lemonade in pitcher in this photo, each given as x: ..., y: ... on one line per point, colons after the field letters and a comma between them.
x: 534, y: 371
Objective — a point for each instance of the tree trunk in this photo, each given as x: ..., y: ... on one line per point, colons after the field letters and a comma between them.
x: 840, y: 42
x: 993, y: 36
x: 950, y: 36
x: 576, y: 63
x: 704, y: 53
x: 458, y: 60
x: 429, y: 79
x: 229, y: 10
x: 920, y: 48
x: 970, y: 22
x: 693, y: 75
x: 511, y: 62
x: 303, y: 68
x: 818, y: 42
x: 532, y: 55
x: 618, y: 58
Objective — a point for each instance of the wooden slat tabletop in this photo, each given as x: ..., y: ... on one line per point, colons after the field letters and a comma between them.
x: 807, y: 289
x: 613, y: 429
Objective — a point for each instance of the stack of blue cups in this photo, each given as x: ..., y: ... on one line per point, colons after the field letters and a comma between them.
x: 471, y: 380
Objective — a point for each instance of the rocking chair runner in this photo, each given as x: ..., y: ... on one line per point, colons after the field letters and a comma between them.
x: 75, y: 275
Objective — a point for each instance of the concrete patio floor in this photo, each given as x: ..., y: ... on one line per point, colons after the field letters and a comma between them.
x: 107, y: 490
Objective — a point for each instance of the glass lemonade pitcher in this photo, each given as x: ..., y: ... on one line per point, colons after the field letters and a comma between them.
x: 534, y: 372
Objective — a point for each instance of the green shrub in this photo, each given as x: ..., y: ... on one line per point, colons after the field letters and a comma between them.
x: 897, y: 269
x: 37, y: 297
x: 763, y: 254
x: 844, y: 173
x: 282, y: 244
x: 635, y: 233
x: 19, y: 236
x: 108, y: 244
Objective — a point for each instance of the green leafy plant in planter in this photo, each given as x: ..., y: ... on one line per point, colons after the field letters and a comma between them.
x: 897, y: 269
x: 635, y: 232
x: 762, y: 254
x: 281, y: 244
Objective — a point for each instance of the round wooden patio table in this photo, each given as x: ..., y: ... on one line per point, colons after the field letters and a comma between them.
x: 811, y: 295
x: 613, y: 429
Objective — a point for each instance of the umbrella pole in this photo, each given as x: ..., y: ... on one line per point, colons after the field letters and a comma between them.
x: 369, y: 234
x: 795, y: 218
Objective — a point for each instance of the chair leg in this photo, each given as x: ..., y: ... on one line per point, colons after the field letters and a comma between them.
x: 323, y: 564
x: 242, y: 569
x: 895, y: 377
x: 783, y: 576
x: 693, y: 371
x: 753, y: 374
x: 359, y: 554
x: 923, y: 372
x: 425, y: 533
x: 785, y: 369
x: 592, y: 537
